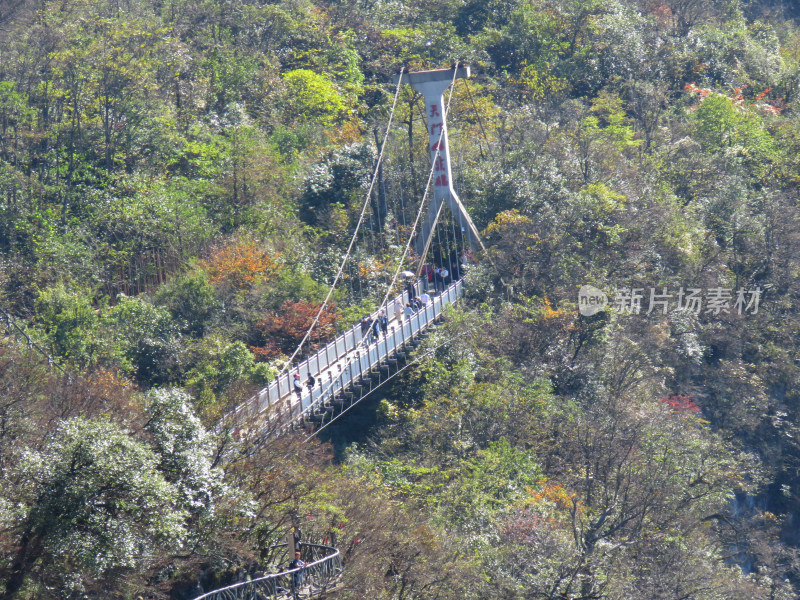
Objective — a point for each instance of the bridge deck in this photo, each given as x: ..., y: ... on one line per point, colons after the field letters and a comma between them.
x: 319, y: 577
x: 336, y: 367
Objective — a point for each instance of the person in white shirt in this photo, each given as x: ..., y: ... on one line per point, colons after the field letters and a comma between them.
x: 445, y: 275
x: 398, y: 311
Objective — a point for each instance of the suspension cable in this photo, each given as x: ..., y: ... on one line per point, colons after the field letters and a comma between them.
x: 288, y: 366
x: 411, y: 236
x: 480, y: 124
x: 424, y: 355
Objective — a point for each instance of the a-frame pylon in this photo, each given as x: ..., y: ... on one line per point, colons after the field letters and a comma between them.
x: 432, y: 85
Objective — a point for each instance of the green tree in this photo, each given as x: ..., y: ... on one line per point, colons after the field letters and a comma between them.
x: 216, y: 366
x: 70, y: 323
x: 186, y: 455
x: 145, y: 340
x: 485, y: 486
x: 93, y: 502
x: 737, y: 133
x: 339, y: 182
x: 313, y: 97
x: 190, y: 299
x: 602, y: 135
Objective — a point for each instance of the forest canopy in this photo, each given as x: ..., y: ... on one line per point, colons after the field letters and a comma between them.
x: 179, y: 182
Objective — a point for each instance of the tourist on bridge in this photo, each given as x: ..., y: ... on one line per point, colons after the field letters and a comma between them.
x: 384, y: 322
x: 373, y: 331
x: 437, y: 279
x: 424, y: 298
x: 408, y: 310
x: 427, y: 277
x: 398, y: 311
x: 297, y: 576
x: 376, y: 329
x: 298, y: 385
x: 364, y: 327
x: 310, y: 382
x: 444, y: 274
x: 412, y: 292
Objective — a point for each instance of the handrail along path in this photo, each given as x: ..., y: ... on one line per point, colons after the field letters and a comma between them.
x: 318, y: 576
x: 336, y: 367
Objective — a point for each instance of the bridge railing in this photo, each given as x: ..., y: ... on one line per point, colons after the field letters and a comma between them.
x: 315, y: 578
x: 370, y: 356
x: 329, y: 358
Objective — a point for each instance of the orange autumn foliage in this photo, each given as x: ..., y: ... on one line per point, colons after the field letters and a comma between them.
x: 737, y: 97
x: 555, y: 494
x: 241, y: 265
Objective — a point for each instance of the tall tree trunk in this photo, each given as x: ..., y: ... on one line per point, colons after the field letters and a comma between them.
x: 29, y: 550
x: 379, y: 197
x: 411, y: 145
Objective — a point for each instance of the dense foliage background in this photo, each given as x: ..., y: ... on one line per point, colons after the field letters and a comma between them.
x: 178, y: 182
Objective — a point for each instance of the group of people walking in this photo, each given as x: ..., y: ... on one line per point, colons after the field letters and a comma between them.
x: 372, y: 328
x: 435, y: 278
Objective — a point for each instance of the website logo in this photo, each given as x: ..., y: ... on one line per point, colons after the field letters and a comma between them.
x: 591, y: 300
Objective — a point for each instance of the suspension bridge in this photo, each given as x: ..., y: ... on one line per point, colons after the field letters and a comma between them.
x: 345, y: 370
x: 317, y: 387
x: 350, y: 367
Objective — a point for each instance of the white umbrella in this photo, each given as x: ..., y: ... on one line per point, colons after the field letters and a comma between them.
x: 408, y: 274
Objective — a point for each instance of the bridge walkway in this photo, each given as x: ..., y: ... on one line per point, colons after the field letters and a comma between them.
x: 339, y: 368
x: 320, y: 576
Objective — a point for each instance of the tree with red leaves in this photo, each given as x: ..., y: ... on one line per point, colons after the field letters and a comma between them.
x: 681, y: 404
x: 282, y: 331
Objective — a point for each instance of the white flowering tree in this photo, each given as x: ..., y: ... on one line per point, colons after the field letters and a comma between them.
x: 185, y: 450
x: 91, y: 501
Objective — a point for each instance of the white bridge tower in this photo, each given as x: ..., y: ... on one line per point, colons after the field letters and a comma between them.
x: 432, y: 85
